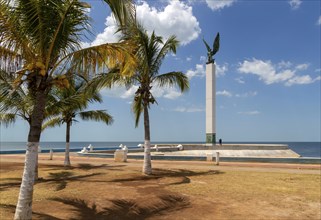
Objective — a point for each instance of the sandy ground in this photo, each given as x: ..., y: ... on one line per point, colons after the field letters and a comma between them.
x: 99, y: 188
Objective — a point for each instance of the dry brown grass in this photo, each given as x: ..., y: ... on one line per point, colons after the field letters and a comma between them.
x: 103, y: 189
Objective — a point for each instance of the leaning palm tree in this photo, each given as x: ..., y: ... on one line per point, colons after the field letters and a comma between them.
x: 39, y: 40
x: 150, y: 52
x: 70, y: 103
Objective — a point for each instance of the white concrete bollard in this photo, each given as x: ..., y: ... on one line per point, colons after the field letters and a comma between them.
x: 217, y: 158
x: 209, y: 157
x: 50, y: 154
x: 120, y: 156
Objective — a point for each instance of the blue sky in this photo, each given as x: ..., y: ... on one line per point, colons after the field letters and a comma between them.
x: 268, y: 78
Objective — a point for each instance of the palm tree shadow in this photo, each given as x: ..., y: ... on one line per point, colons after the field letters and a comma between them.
x: 80, y: 166
x: 87, y: 166
x: 37, y: 215
x: 6, y: 186
x: 62, y: 178
x: 181, y: 175
x: 126, y: 209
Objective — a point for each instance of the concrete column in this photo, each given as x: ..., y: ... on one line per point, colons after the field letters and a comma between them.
x: 210, y: 103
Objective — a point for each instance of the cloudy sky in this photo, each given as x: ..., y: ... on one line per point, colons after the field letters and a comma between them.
x: 268, y: 73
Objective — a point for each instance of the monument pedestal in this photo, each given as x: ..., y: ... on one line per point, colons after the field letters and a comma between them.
x: 210, y: 103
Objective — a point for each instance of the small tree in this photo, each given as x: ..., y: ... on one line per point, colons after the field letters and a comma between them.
x: 70, y: 103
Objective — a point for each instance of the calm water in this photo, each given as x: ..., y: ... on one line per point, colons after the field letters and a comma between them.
x: 305, y: 149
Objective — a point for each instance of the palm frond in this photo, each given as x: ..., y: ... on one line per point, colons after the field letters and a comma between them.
x: 173, y: 79
x: 107, y: 80
x: 137, y: 108
x: 101, y: 58
x: 97, y: 115
x: 52, y: 122
x: 123, y: 11
x: 169, y: 46
x: 7, y: 118
x: 70, y: 23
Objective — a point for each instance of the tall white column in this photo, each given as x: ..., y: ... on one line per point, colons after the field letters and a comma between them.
x: 210, y: 103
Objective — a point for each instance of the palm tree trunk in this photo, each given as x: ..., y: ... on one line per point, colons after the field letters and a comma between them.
x: 147, y: 167
x: 67, y: 158
x: 24, y: 205
x: 36, y: 167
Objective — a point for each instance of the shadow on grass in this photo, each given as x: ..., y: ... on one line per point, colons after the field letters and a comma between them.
x: 6, y: 186
x: 87, y: 166
x: 62, y: 178
x: 80, y: 166
x: 126, y: 209
x: 163, y: 173
x: 37, y: 215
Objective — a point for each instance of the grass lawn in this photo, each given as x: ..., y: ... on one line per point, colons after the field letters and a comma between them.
x: 102, y: 189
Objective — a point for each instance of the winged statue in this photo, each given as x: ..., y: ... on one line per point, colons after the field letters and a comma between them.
x: 212, y: 52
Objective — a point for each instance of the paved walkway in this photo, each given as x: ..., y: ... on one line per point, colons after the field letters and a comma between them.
x: 58, y: 158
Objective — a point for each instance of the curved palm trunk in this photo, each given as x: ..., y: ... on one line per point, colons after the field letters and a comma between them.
x: 67, y: 158
x: 24, y: 205
x: 147, y: 167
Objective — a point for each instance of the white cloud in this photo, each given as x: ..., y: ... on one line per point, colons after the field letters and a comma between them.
x: 295, y: 4
x: 224, y: 93
x: 200, y: 71
x: 303, y: 66
x: 203, y: 59
x: 269, y: 73
x: 129, y: 93
x: 246, y: 94
x: 188, y: 109
x: 221, y: 70
x: 249, y: 113
x: 175, y: 19
x: 319, y: 21
x: 240, y: 80
x: 216, y: 5
x: 265, y: 71
x: 172, y: 93
x: 109, y: 35
x: 120, y: 92
x: 300, y: 80
x: 284, y: 64
x: 188, y: 59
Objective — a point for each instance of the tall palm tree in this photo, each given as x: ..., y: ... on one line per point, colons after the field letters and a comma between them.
x: 150, y: 52
x: 42, y: 38
x: 70, y: 103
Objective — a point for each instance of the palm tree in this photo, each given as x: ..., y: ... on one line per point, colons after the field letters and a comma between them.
x: 42, y: 39
x: 150, y: 52
x: 70, y: 103
x: 18, y: 104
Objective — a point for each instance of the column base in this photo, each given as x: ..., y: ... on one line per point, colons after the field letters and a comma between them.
x: 211, y: 138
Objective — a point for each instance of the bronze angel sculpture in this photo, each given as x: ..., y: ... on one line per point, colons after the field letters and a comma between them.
x: 212, y: 52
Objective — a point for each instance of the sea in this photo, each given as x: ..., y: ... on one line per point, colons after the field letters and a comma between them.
x: 305, y: 149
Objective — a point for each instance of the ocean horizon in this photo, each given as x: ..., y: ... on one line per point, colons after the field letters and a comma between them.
x: 305, y: 149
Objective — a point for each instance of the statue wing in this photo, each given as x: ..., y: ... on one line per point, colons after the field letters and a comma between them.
x: 216, y: 44
x: 207, y: 46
